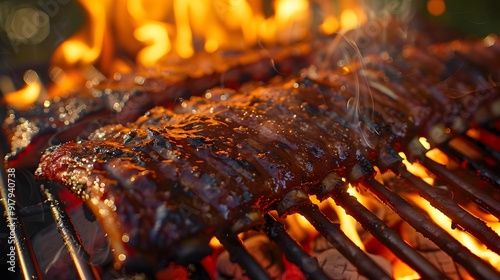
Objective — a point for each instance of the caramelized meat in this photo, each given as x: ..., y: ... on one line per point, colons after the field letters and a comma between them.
x: 182, y: 173
x: 171, y: 175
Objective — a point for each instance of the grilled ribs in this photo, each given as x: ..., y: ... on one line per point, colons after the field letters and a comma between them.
x: 125, y: 97
x: 177, y: 175
x: 174, y: 175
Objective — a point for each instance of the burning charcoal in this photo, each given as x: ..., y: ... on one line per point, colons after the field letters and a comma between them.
x: 446, y: 264
x: 416, y: 239
x: 433, y: 253
x: 262, y: 249
x: 336, y: 266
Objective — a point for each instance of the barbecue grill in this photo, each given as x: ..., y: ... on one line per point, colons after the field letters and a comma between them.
x: 469, y: 181
x: 461, y: 182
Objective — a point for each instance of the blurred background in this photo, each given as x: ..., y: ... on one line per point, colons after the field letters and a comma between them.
x: 470, y: 18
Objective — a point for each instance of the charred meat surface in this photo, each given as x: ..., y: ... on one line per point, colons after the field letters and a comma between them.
x: 170, y: 175
x: 202, y: 166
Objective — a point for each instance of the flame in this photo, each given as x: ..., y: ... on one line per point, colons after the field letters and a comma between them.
x: 150, y: 31
x: 417, y: 169
x: 180, y: 27
x: 465, y: 238
x: 299, y: 228
x: 434, y: 154
x: 304, y: 223
x: 424, y: 143
x: 474, y: 133
x: 297, y: 222
x: 330, y: 25
x: 25, y: 96
x: 121, y: 33
x: 349, y: 19
x: 291, y: 20
x: 215, y: 243
x: 157, y: 34
x: 438, y: 156
x: 403, y: 272
x: 347, y: 224
x: 85, y: 47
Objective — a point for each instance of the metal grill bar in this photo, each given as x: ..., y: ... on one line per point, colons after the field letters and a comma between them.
x: 240, y: 255
x: 331, y: 231
x: 292, y: 250
x: 476, y: 267
x: 81, y: 259
x: 438, y: 199
x: 297, y: 201
x: 473, y: 264
x: 492, y: 129
x: 479, y: 197
x: 495, y: 154
x: 24, y: 250
x: 365, y: 265
x: 480, y: 168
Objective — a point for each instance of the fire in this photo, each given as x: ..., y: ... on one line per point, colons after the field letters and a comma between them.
x: 330, y: 25
x: 215, y: 243
x: 349, y: 19
x: 348, y: 223
x: 301, y: 229
x: 117, y: 34
x: 417, y: 169
x: 160, y: 43
x: 302, y: 222
x: 28, y: 94
x: 182, y: 28
x: 470, y: 242
x: 420, y: 171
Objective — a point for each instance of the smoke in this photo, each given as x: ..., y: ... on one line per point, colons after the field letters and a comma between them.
x: 385, y: 30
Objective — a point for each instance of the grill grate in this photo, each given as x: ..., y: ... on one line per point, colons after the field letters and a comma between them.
x: 297, y: 201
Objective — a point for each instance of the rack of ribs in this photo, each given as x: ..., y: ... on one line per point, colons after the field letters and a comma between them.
x: 177, y: 176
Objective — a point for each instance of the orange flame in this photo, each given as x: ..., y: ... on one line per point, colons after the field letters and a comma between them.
x: 348, y: 223
x: 465, y: 238
x: 149, y: 31
x: 417, y: 170
x: 420, y: 171
x: 117, y: 34
x: 85, y: 47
